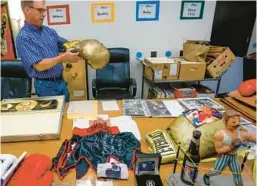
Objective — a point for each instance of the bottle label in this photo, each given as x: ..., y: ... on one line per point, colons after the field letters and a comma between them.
x: 189, y: 171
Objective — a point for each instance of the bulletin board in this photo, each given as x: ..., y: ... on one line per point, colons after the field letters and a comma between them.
x: 103, y: 12
x: 7, y: 41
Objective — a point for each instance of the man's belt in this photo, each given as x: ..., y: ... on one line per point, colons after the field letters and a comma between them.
x: 50, y: 79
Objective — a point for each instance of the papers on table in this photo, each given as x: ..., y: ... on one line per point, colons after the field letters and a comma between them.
x: 82, y: 109
x: 110, y: 105
x: 124, y: 123
x: 174, y: 107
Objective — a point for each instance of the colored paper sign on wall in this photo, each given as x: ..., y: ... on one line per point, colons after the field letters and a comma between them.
x: 192, y: 10
x: 58, y: 14
x: 103, y: 12
x: 7, y: 42
x: 147, y: 10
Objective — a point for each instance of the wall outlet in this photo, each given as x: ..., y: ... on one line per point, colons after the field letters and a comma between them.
x: 153, y: 53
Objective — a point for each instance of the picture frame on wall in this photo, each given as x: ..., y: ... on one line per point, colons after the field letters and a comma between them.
x: 102, y: 12
x: 7, y: 42
x: 192, y: 9
x: 58, y: 14
x: 147, y: 10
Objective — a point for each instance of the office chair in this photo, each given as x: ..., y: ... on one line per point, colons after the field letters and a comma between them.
x: 15, y: 82
x: 113, y: 81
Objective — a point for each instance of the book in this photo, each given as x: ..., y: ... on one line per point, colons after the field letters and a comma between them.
x: 198, y: 103
x: 9, y: 164
x: 151, y: 108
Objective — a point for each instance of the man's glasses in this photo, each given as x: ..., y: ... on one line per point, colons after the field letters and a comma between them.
x: 39, y: 10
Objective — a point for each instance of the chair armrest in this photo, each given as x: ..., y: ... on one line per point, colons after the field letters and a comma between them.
x: 133, y: 83
x: 94, y: 87
x: 31, y: 94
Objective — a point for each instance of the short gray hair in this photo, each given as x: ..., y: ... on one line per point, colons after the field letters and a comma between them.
x: 27, y: 3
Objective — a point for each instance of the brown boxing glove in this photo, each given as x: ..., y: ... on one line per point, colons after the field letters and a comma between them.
x: 247, y: 88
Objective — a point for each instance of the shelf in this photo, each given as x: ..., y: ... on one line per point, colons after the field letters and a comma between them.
x: 180, y: 80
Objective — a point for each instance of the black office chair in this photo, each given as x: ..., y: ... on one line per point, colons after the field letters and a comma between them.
x: 113, y: 81
x: 15, y: 82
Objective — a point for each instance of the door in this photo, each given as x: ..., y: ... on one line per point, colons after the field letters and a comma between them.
x: 233, y: 24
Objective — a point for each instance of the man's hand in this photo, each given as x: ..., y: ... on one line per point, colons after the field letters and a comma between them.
x: 236, y: 143
x: 70, y: 56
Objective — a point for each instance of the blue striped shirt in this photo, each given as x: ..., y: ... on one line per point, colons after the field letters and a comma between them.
x: 34, y: 44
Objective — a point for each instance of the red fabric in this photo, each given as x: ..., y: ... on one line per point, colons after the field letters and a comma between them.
x: 247, y: 88
x: 95, y: 128
x: 34, y: 171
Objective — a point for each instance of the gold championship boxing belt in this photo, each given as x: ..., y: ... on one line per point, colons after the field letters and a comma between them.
x: 91, y: 50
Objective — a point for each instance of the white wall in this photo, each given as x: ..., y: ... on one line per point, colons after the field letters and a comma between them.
x: 166, y: 34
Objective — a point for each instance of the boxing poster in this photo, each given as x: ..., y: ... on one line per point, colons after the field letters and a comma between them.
x: 7, y: 42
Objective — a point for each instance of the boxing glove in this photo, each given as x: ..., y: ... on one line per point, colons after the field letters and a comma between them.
x: 247, y: 88
x: 236, y: 143
x: 34, y: 171
x: 91, y: 50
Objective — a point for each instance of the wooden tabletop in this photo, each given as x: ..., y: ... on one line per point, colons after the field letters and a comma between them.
x: 145, y: 125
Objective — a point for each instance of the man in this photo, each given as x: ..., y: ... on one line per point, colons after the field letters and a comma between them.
x: 38, y: 47
x: 226, y: 143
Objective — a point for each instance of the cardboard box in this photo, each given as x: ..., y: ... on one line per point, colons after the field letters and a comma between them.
x: 221, y: 63
x: 159, y: 63
x: 182, y: 90
x: 161, y: 68
x: 192, y: 70
x: 76, y: 80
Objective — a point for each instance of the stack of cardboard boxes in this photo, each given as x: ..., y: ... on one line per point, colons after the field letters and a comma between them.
x: 218, y: 60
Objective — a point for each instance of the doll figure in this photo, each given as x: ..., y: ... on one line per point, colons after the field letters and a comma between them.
x: 226, y: 143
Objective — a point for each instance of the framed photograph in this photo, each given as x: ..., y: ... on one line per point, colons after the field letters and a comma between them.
x: 102, y: 12
x: 112, y: 170
x: 7, y: 42
x: 147, y: 10
x: 58, y: 14
x: 147, y: 164
x: 200, y: 103
x: 192, y: 9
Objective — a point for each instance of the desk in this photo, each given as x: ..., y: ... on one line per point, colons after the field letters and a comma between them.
x: 145, y: 125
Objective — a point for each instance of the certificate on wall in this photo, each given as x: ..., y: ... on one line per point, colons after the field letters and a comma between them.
x: 147, y: 10
x: 102, y: 12
x: 192, y: 10
x: 58, y: 14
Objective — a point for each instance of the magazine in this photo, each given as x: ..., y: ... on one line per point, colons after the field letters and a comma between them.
x: 151, y: 108
x: 199, y: 117
x: 198, y: 103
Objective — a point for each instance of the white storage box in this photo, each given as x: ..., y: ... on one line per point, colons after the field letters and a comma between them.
x: 27, y: 119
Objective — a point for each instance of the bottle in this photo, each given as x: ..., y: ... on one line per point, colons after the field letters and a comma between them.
x: 191, y: 161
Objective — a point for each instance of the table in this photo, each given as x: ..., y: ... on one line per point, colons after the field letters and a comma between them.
x: 145, y: 125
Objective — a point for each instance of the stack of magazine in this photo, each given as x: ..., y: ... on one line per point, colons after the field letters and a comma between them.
x: 145, y: 108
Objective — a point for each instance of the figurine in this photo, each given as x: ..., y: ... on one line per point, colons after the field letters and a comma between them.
x: 226, y: 143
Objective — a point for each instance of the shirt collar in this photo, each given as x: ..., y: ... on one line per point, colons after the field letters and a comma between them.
x: 32, y: 27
